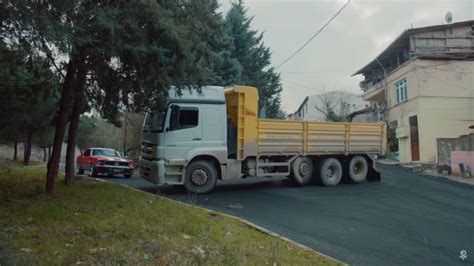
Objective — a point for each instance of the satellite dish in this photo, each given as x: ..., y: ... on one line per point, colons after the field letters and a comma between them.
x: 448, y: 17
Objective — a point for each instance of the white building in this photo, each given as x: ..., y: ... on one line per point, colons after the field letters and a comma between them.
x: 313, y: 107
x: 424, y: 82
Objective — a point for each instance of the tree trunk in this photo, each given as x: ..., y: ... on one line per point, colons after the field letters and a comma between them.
x: 15, y: 150
x: 45, y: 156
x: 49, y: 152
x: 72, y: 135
x: 61, y: 121
x: 27, y: 150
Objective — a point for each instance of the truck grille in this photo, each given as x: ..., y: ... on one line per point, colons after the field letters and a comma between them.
x: 147, y: 148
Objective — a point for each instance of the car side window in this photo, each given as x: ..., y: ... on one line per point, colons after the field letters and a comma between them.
x: 188, y: 118
x: 87, y: 153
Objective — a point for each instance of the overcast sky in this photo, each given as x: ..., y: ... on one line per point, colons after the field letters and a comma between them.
x: 353, y: 39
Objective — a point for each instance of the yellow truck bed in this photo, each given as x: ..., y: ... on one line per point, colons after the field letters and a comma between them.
x: 260, y: 137
x: 318, y: 138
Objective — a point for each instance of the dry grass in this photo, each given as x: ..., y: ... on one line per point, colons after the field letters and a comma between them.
x: 99, y: 223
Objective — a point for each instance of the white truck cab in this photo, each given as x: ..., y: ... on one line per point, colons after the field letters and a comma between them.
x: 192, y: 126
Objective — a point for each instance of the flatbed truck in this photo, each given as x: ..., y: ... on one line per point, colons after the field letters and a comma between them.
x: 201, y: 137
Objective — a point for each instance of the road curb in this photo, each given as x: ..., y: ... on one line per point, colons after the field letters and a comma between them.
x: 257, y: 227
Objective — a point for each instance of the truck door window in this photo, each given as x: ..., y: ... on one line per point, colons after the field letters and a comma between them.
x: 188, y: 118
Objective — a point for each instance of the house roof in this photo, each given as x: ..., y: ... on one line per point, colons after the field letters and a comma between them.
x: 302, y: 104
x: 401, y: 41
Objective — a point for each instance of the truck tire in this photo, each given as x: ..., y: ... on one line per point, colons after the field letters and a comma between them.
x: 301, y: 171
x: 358, y: 169
x: 331, y: 172
x: 200, y: 177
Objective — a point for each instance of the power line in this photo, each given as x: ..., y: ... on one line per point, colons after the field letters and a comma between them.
x: 314, y: 36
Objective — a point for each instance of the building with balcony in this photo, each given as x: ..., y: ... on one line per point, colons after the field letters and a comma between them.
x: 423, y: 85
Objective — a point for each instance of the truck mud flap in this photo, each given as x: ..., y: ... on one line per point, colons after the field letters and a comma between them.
x: 373, y: 174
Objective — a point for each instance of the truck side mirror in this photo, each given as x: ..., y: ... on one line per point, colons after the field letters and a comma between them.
x: 174, y: 117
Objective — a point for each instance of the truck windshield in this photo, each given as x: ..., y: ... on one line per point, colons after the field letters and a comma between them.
x: 154, y: 121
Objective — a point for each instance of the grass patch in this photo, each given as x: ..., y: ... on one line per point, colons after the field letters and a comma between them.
x: 99, y: 223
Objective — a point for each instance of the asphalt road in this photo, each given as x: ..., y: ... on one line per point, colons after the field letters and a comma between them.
x: 407, y: 219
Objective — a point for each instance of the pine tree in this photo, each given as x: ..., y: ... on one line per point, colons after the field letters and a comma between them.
x: 210, y: 42
x: 29, y: 96
x: 119, y: 54
x: 254, y: 57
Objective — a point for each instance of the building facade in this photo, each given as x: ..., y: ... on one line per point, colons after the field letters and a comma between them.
x: 423, y: 84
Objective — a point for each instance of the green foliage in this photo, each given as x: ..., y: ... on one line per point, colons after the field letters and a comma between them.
x: 211, y: 43
x: 86, y: 126
x: 29, y: 95
x: 96, y: 132
x: 131, y: 51
x: 255, y: 60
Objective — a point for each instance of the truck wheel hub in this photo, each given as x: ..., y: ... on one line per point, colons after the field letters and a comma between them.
x: 304, y: 169
x: 199, y: 177
x: 358, y: 168
x: 331, y: 171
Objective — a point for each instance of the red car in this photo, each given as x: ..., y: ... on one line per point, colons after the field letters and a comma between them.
x: 103, y: 161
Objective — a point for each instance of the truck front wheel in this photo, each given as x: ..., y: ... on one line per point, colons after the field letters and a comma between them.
x: 301, y: 170
x: 331, y: 172
x: 200, y: 177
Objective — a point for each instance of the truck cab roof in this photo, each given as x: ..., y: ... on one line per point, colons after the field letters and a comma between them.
x: 208, y: 94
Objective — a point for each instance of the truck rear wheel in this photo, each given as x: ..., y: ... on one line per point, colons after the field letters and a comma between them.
x: 301, y: 171
x: 200, y: 177
x: 331, y: 172
x: 358, y: 169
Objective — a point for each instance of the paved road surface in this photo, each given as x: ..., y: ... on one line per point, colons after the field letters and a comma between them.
x: 407, y: 219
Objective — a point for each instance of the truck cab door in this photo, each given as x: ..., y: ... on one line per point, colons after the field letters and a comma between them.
x: 183, y: 131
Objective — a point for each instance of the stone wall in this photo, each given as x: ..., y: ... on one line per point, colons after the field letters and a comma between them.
x: 448, y: 145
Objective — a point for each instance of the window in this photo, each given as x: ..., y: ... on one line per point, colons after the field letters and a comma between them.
x: 187, y: 118
x: 154, y: 121
x: 401, y: 91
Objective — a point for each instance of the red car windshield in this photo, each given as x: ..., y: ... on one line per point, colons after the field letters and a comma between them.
x: 105, y: 153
